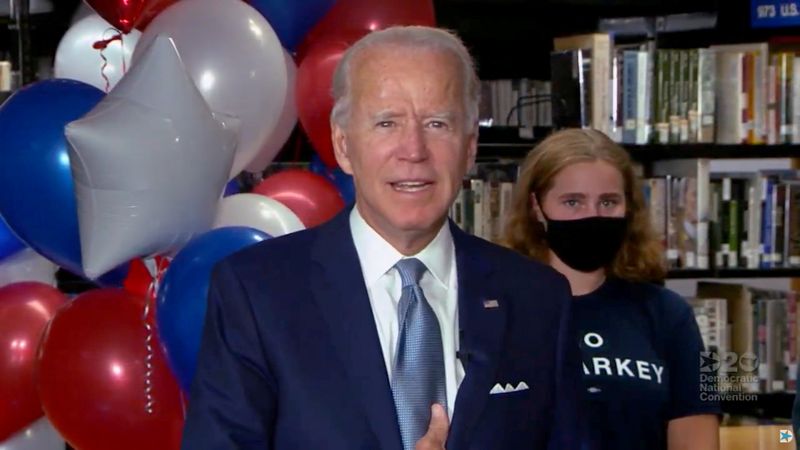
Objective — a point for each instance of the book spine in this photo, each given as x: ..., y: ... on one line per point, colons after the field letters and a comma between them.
x: 630, y: 83
x: 693, y: 82
x: 675, y: 97
x: 702, y: 215
x: 684, y: 71
x: 707, y: 71
x: 661, y: 98
x: 793, y: 228
x: 778, y: 225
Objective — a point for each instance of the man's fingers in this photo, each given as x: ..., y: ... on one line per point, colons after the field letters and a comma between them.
x: 440, y: 424
x: 436, y: 436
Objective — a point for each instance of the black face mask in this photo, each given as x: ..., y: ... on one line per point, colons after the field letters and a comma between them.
x: 586, y: 244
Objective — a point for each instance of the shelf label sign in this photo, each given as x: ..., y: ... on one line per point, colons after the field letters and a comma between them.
x: 774, y: 13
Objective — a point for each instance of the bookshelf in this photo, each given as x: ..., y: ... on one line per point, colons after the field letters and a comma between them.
x: 34, y: 44
x: 504, y: 142
x: 780, y: 272
x: 510, y: 144
x: 765, y: 406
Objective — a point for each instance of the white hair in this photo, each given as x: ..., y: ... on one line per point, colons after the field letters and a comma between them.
x: 412, y: 37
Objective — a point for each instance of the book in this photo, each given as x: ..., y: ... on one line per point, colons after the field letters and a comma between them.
x: 600, y: 74
x: 569, y: 89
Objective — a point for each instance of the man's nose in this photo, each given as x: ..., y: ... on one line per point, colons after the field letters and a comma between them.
x: 413, y: 146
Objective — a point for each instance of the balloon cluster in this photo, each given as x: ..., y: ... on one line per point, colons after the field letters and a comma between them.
x: 126, y: 169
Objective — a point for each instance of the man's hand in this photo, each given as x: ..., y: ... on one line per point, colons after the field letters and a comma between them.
x: 436, y: 436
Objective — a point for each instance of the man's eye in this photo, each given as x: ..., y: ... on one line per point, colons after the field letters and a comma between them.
x: 571, y: 203
x: 385, y: 124
x: 609, y: 203
x: 437, y: 124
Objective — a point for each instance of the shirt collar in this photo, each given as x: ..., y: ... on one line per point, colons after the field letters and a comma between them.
x: 378, y: 256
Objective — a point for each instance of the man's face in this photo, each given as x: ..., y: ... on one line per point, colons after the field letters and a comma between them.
x: 406, y: 142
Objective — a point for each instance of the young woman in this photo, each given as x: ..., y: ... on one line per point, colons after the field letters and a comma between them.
x: 579, y: 207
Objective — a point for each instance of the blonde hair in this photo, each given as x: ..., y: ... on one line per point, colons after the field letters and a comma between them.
x: 641, y: 257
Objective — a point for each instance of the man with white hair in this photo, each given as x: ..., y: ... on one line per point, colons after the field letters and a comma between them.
x: 388, y: 327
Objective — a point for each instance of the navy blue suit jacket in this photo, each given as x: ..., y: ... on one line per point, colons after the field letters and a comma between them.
x: 291, y: 359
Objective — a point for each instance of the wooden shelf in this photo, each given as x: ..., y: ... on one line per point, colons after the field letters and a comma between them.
x: 767, y: 406
x: 504, y: 142
x: 646, y: 153
x: 779, y: 272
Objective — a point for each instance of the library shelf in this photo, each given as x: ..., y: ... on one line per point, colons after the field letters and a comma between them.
x: 505, y: 142
x: 712, y: 151
x: 777, y: 272
x: 773, y: 405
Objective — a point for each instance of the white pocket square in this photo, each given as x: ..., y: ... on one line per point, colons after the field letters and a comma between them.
x: 509, y: 388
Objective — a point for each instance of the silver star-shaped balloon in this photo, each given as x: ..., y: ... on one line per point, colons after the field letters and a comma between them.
x: 149, y: 163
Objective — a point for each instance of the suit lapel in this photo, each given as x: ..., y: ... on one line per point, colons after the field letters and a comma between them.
x: 482, y: 327
x: 340, y: 294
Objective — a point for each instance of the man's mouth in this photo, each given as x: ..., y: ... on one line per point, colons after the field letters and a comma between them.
x: 411, y: 185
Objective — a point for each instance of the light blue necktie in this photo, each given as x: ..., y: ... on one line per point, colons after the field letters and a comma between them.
x: 418, y: 378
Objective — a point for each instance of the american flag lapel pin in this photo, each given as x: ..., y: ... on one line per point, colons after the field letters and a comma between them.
x: 492, y: 303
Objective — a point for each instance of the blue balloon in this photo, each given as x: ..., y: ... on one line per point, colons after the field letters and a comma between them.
x: 114, y: 277
x: 9, y: 244
x: 343, y: 182
x: 317, y: 166
x: 38, y: 200
x: 292, y: 19
x: 181, y: 301
x: 232, y: 188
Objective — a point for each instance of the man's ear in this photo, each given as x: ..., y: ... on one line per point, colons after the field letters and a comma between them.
x: 472, y: 148
x: 340, y: 151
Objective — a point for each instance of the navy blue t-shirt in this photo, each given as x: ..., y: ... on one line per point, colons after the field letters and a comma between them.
x: 641, y: 348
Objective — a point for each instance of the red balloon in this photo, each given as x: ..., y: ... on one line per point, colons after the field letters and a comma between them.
x: 139, y: 281
x: 122, y: 14
x: 92, y: 376
x: 313, y: 198
x: 25, y: 309
x: 371, y: 15
x: 127, y: 14
x: 314, y: 101
x: 324, y: 46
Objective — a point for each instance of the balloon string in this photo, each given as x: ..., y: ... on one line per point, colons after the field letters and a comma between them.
x: 152, y: 290
x: 148, y: 360
x: 103, y: 72
x: 102, y: 45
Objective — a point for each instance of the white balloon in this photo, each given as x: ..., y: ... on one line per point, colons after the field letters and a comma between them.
x: 27, y: 265
x: 76, y: 59
x: 148, y: 163
x: 237, y: 61
x: 259, y: 212
x: 39, y: 435
x: 286, y: 122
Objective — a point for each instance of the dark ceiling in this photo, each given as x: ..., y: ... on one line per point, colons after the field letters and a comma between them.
x: 512, y: 38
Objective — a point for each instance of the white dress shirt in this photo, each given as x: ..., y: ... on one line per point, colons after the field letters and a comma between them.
x: 439, y: 283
